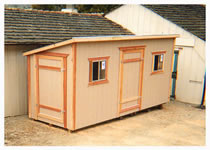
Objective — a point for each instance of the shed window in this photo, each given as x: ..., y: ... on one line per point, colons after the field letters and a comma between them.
x: 158, y: 62
x: 98, y: 70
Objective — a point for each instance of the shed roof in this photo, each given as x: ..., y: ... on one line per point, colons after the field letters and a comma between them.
x: 192, y: 18
x: 99, y: 39
x: 47, y: 27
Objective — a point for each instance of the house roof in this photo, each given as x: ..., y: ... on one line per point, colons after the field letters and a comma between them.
x: 47, y: 27
x: 99, y: 39
x: 190, y: 17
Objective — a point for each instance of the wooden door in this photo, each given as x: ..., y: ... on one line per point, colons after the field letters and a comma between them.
x: 51, y: 89
x: 131, y: 75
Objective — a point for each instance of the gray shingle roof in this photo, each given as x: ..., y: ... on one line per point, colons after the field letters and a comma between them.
x: 47, y: 27
x: 190, y: 17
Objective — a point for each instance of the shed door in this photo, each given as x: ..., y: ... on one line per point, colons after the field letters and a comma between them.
x: 131, y: 73
x: 51, y: 89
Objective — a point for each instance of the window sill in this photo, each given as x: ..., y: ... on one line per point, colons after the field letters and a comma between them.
x: 157, y: 72
x: 98, y: 82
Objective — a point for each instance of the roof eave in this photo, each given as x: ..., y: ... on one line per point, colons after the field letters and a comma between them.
x: 99, y: 39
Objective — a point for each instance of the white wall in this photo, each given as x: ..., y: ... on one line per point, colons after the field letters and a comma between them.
x: 191, y: 61
x: 15, y: 83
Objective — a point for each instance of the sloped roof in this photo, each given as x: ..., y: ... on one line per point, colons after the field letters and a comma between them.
x: 192, y: 18
x: 100, y: 39
x: 47, y: 27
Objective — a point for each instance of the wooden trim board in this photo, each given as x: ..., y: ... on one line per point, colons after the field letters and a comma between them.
x: 54, y: 54
x: 50, y: 108
x: 74, y: 53
x: 121, y: 80
x: 50, y: 118
x: 50, y: 57
x: 29, y: 84
x: 65, y: 91
x: 98, y: 82
x: 129, y: 108
x: 141, y: 78
x: 98, y: 58
x: 100, y: 39
x: 132, y: 48
x: 131, y: 60
x: 37, y: 84
x: 49, y: 68
x: 159, y: 52
x: 130, y: 99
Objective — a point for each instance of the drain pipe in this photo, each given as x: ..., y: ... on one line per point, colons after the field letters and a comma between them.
x: 204, y: 92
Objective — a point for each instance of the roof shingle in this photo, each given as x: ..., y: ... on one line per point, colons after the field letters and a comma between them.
x: 47, y: 27
x: 190, y: 17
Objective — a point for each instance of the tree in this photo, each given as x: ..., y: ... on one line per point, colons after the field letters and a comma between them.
x: 80, y: 8
x: 49, y: 7
x: 95, y: 8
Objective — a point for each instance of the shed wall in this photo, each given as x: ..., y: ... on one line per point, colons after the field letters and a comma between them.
x: 98, y: 103
x: 16, y: 79
x: 143, y: 21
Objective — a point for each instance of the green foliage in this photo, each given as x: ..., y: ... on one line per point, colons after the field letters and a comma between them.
x: 49, y: 7
x: 80, y: 8
x: 94, y: 8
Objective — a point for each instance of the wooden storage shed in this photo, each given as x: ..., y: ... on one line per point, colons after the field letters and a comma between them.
x: 84, y: 81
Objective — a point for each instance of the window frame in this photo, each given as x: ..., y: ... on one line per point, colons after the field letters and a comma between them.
x: 98, y: 59
x: 153, y: 58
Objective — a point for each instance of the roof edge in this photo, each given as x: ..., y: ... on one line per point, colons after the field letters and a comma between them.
x: 99, y: 39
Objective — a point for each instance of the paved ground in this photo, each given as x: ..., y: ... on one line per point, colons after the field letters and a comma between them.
x: 175, y: 124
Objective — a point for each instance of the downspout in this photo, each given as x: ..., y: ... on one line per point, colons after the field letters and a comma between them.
x: 204, y: 92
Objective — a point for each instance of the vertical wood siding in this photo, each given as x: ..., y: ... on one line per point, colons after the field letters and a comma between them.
x: 100, y: 102
x: 16, y: 79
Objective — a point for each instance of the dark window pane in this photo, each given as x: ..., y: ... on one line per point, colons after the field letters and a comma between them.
x: 95, y: 71
x: 102, y: 69
x: 156, y: 62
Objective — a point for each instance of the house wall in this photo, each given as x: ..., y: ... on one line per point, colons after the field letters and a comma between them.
x: 98, y: 103
x: 191, y: 61
x: 66, y: 50
x: 16, y: 79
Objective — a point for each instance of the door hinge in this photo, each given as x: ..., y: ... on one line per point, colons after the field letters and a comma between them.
x: 63, y: 111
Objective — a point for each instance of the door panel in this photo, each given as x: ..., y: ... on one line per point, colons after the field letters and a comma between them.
x: 131, y: 80
x: 131, y: 75
x: 51, y: 90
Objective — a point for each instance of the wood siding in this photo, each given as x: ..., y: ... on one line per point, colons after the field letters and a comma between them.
x: 191, y: 61
x: 98, y: 103
x: 16, y: 79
